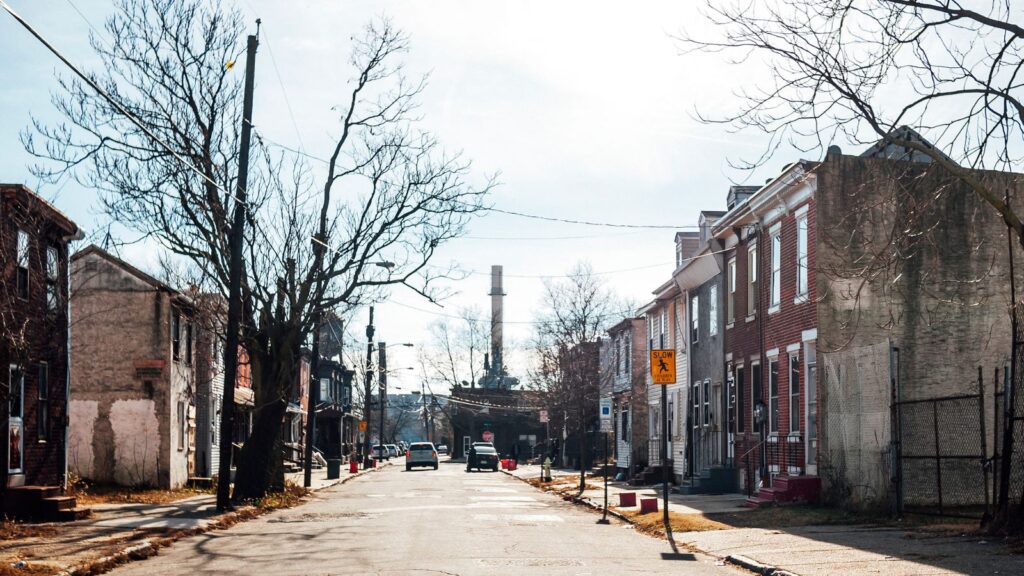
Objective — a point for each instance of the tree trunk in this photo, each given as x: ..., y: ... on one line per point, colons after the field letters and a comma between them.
x: 275, y: 362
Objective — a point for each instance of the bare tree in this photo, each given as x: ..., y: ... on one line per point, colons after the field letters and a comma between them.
x: 576, y: 311
x: 864, y: 68
x: 307, y: 247
x: 454, y: 352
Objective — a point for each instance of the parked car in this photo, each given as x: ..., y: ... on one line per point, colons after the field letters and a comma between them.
x: 381, y: 452
x: 393, y: 450
x: 421, y: 454
x: 481, y: 457
x: 442, y: 449
x: 402, y: 446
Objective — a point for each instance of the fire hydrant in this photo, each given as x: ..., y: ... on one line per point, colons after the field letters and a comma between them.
x: 546, y: 470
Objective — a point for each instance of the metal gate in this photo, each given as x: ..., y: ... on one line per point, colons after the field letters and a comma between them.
x: 942, y: 456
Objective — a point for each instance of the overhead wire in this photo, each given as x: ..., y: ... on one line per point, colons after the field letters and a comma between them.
x: 117, y: 105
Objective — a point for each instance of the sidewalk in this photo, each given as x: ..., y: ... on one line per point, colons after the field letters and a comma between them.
x: 817, y: 550
x: 127, y: 530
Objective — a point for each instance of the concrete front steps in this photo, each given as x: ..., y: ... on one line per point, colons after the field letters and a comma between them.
x: 41, y: 504
x: 717, y: 480
x: 649, y: 475
x: 787, y: 489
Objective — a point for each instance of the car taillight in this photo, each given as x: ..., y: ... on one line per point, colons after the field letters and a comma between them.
x: 406, y: 453
x: 435, y: 454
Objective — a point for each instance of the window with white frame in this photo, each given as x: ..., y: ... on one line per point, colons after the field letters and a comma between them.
x: 663, y: 324
x: 22, y: 262
x: 751, y: 280
x: 801, y: 255
x: 730, y: 308
x: 52, y: 272
x: 694, y: 319
x: 794, y: 394
x: 776, y: 292
x: 43, y: 407
x: 713, y: 310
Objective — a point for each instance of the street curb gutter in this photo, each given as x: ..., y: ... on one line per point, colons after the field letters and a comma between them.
x: 148, y: 548
x: 734, y: 559
x: 577, y: 500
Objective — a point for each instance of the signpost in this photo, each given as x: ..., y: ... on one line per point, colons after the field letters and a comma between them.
x: 543, y: 416
x: 487, y: 436
x: 606, y: 414
x: 362, y: 425
x: 663, y: 372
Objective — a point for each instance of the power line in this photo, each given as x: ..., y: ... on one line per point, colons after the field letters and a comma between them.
x: 131, y: 117
x: 280, y: 82
x: 524, y: 214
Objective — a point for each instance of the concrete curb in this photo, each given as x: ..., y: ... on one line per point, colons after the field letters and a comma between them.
x: 734, y: 559
x: 147, y: 548
x: 755, y: 566
x: 578, y: 500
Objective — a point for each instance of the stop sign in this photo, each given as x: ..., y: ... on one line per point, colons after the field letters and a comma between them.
x: 488, y: 436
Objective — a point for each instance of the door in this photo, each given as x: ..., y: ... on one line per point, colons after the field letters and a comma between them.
x: 16, y: 421
x: 811, y: 408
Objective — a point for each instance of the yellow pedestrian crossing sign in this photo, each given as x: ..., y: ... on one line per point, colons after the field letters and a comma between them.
x: 663, y: 366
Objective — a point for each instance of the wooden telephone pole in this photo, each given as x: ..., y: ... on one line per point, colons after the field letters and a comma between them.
x: 227, y: 418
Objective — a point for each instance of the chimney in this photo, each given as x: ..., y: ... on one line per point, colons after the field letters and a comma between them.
x: 497, y: 297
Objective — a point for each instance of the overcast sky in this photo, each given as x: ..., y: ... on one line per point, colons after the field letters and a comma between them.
x: 585, y: 108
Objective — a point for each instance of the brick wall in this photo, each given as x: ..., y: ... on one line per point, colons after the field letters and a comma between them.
x: 42, y: 342
x: 783, y: 333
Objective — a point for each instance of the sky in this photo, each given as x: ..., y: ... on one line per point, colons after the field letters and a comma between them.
x: 586, y: 109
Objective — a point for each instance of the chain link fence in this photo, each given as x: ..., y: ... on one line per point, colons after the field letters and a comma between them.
x: 942, y: 456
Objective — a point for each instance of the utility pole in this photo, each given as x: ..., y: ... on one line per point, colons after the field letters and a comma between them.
x: 227, y: 411
x: 366, y: 398
x: 382, y: 367
x: 426, y: 421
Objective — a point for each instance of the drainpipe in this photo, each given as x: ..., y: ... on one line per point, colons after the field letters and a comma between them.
x: 78, y: 235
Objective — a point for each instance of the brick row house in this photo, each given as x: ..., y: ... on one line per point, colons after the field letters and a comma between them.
x: 34, y: 318
x: 624, y: 362
x: 769, y: 238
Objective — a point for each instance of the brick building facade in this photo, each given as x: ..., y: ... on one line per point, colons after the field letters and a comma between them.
x: 34, y: 320
x: 133, y: 375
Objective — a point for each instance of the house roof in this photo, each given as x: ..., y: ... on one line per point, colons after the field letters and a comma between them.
x: 36, y: 201
x: 100, y: 252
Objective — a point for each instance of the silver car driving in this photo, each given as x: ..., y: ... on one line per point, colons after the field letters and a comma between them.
x: 421, y: 454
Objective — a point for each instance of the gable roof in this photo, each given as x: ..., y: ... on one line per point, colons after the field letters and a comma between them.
x: 34, y: 201
x: 100, y: 252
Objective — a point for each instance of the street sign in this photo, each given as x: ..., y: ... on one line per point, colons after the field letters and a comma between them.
x: 606, y: 414
x: 362, y: 425
x: 488, y: 436
x: 663, y: 366
x: 543, y: 416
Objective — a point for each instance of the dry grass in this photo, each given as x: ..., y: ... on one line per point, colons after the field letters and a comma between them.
x: 88, y: 495
x: 7, y: 569
x: 653, y: 522
x: 11, y: 530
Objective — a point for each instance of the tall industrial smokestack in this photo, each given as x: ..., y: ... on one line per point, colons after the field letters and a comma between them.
x: 497, y: 296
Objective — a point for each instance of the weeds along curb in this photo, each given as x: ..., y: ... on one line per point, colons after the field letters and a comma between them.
x: 577, y: 500
x: 150, y: 547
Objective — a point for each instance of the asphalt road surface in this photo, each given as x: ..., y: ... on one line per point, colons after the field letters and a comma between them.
x: 427, y: 522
